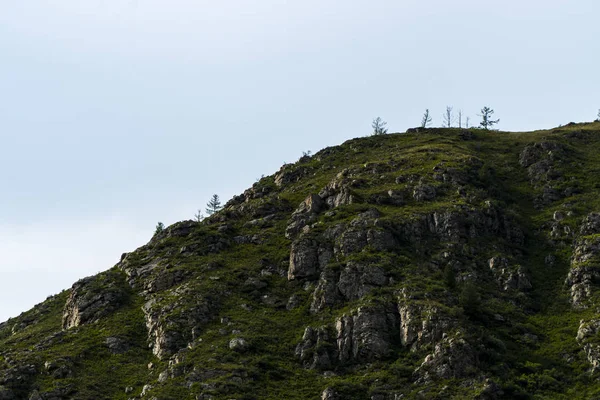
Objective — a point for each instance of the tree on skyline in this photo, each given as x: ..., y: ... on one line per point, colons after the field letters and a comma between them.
x: 486, y: 121
x: 213, y: 205
x: 426, y: 119
x: 448, y: 117
x: 378, y: 126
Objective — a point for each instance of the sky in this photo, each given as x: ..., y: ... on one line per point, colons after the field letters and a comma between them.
x: 117, y: 114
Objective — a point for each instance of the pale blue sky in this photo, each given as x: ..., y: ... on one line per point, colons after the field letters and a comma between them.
x: 116, y: 114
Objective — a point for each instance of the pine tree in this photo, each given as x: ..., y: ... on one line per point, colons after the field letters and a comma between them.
x: 378, y: 126
x: 159, y: 228
x: 486, y: 122
x: 213, y: 205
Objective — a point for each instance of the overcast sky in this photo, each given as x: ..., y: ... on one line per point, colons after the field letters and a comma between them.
x: 117, y: 114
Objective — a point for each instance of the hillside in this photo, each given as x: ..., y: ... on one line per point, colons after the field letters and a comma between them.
x: 432, y: 264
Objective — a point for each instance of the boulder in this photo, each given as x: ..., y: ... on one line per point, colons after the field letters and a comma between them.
x: 238, y: 344
x: 329, y: 394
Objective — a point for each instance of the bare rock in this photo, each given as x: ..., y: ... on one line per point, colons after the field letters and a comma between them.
x: 238, y: 344
x: 424, y: 192
x: 305, y: 214
x: 304, y: 259
x: 452, y: 358
x: 116, y: 345
x: 315, y: 351
x: 338, y: 191
x: 422, y: 324
x: 289, y: 174
x: 590, y: 224
x: 586, y: 336
x: 584, y: 273
x: 327, y: 293
x: 329, y: 394
x: 509, y: 276
x: 357, y: 280
x: 92, y: 298
x: 366, y: 334
x: 365, y: 230
x: 172, y: 325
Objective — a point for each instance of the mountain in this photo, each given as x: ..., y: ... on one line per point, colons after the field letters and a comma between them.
x: 431, y: 264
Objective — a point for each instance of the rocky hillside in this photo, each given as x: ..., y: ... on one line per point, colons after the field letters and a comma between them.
x: 432, y: 264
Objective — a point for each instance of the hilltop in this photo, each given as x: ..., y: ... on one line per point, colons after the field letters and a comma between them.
x: 432, y: 264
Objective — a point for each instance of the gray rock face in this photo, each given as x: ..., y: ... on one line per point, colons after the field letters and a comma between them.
x: 586, y: 334
x: 338, y: 191
x: 165, y: 280
x: 365, y: 230
x: 288, y: 175
x: 508, y: 276
x: 456, y: 176
x: 326, y: 294
x: 424, y: 192
x: 533, y: 153
x: 356, y: 280
x: 366, y: 334
x: 585, y: 270
x: 329, y: 394
x: 580, y: 281
x: 171, y: 326
x: 315, y: 348
x: 312, y: 204
x: 238, y: 344
x: 590, y: 224
x: 452, y: 358
x: 461, y: 224
x: 422, y: 324
x: 91, y: 299
x: 305, y: 214
x: 540, y: 159
x: 116, y: 345
x: 180, y: 229
x: 304, y: 259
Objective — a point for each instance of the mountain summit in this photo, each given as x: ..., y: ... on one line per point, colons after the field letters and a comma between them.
x: 432, y: 264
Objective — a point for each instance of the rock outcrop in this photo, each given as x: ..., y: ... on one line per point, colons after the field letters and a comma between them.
x: 93, y: 298
x: 587, y: 335
x: 452, y: 358
x: 584, y: 274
